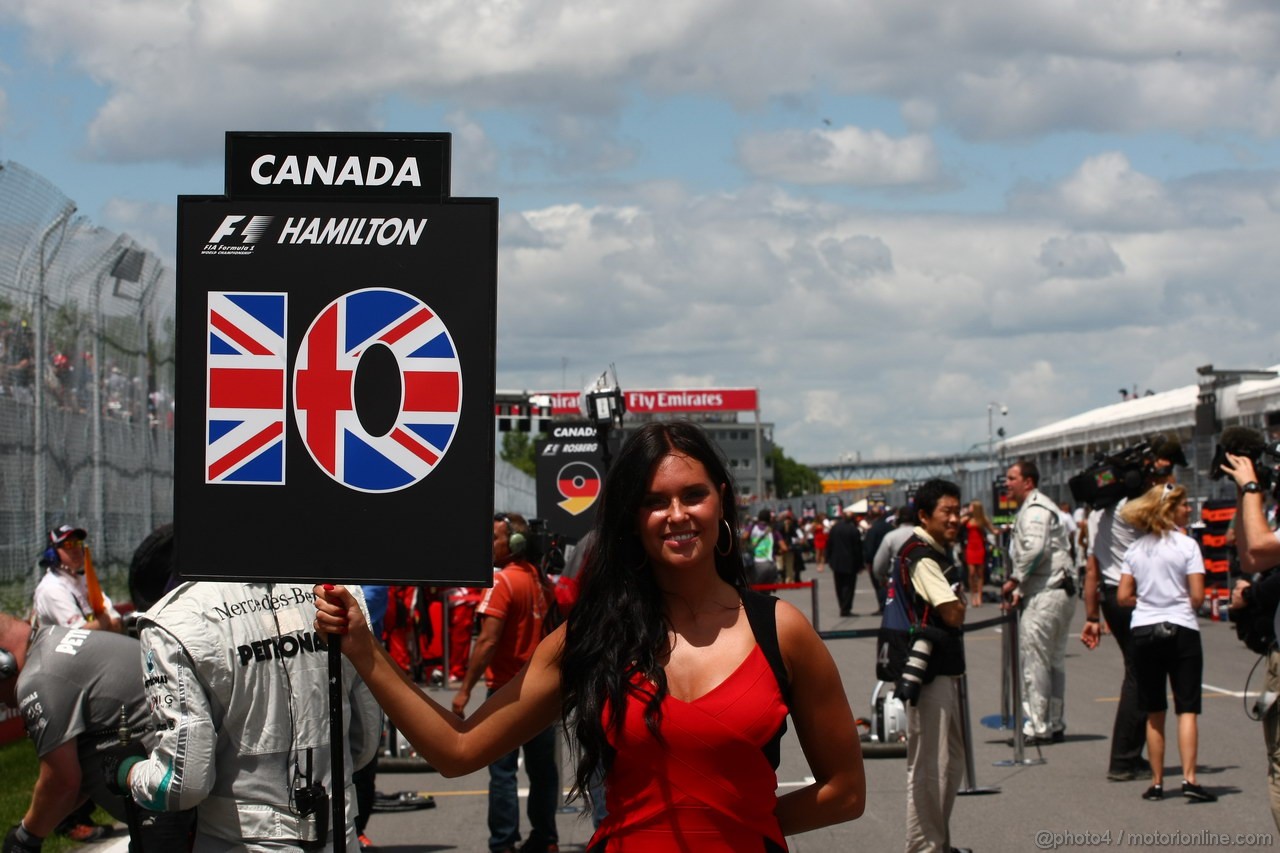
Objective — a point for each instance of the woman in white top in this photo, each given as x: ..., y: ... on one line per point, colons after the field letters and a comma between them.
x: 1162, y: 578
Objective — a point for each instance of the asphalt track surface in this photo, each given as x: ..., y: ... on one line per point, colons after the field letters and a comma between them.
x: 1064, y: 804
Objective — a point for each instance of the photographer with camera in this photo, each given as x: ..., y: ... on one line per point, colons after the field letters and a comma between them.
x: 922, y: 646
x: 1254, y: 600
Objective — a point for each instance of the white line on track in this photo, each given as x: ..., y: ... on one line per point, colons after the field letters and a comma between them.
x: 1239, y: 694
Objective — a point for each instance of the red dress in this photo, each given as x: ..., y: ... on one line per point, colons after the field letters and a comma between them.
x: 708, y: 787
x: 975, y: 545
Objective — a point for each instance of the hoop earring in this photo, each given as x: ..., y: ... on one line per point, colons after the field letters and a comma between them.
x: 729, y: 546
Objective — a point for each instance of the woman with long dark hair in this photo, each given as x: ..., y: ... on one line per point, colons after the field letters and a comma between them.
x: 670, y: 674
x: 1162, y: 578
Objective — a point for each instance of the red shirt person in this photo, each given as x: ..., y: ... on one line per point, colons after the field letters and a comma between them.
x: 512, y: 614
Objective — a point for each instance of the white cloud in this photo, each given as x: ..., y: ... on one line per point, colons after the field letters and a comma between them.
x: 932, y: 317
x: 1080, y: 256
x: 875, y: 331
x: 846, y: 155
x: 1105, y: 192
x: 178, y: 74
x: 151, y: 224
x: 474, y: 161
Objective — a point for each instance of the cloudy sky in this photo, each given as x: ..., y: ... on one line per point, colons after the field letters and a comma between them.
x: 885, y: 215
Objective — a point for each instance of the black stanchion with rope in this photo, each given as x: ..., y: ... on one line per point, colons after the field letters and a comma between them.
x: 874, y: 750
x: 1013, y: 669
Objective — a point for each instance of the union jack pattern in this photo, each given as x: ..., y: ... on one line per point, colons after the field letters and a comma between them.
x: 245, y: 373
x: 431, y: 390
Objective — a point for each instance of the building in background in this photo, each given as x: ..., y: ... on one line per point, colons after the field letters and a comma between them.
x: 746, y: 445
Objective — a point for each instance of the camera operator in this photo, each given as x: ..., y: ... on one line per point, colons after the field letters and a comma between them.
x: 1254, y: 601
x: 1109, y: 538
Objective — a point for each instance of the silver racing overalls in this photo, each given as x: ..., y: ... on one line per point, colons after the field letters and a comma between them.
x: 237, y: 680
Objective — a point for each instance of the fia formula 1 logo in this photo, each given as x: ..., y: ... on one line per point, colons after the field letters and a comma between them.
x: 235, y: 236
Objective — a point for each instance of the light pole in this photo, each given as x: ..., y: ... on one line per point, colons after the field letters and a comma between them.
x: 991, y: 435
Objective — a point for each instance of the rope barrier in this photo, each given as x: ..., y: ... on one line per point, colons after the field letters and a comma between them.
x: 1011, y: 678
x: 859, y: 633
x: 770, y: 587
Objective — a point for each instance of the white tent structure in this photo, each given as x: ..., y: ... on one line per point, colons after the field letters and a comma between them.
x: 1066, y: 447
x: 1170, y: 413
x: 1115, y: 425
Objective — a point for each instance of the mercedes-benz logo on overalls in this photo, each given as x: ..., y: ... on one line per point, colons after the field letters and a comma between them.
x: 324, y: 399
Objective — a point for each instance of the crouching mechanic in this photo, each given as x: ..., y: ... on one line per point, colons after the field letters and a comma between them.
x: 82, y: 701
x: 238, y: 682
x: 922, y: 603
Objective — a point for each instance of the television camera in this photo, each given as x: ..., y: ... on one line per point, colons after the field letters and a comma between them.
x: 1253, y: 445
x: 1114, y: 476
x: 546, y: 548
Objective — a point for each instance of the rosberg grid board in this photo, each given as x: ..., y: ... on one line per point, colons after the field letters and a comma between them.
x: 336, y: 366
x: 570, y: 474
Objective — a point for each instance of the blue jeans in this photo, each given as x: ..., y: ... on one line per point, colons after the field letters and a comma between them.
x: 544, y: 794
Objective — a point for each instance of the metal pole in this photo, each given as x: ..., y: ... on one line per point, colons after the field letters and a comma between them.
x: 970, y: 783
x: 759, y: 460
x: 991, y: 456
x: 337, y: 747
x: 150, y: 433
x: 813, y: 596
x: 38, y: 425
x: 446, y: 624
x: 95, y: 418
x: 1007, y: 719
x: 1015, y: 676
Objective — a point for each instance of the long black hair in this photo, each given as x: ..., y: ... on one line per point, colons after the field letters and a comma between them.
x: 618, y: 628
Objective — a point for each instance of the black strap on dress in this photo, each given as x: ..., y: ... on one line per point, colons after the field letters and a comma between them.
x: 761, y: 615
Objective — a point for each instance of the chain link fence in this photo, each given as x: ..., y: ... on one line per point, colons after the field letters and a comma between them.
x: 86, y: 381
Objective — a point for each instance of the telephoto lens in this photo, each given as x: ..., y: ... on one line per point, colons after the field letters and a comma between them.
x: 908, y: 688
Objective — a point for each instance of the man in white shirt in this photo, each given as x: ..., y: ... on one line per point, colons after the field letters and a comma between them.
x: 62, y: 596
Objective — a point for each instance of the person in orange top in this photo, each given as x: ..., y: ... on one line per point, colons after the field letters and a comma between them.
x: 512, y: 614
x: 670, y: 673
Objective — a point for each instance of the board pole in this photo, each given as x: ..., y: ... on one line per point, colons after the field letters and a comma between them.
x: 337, y: 746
